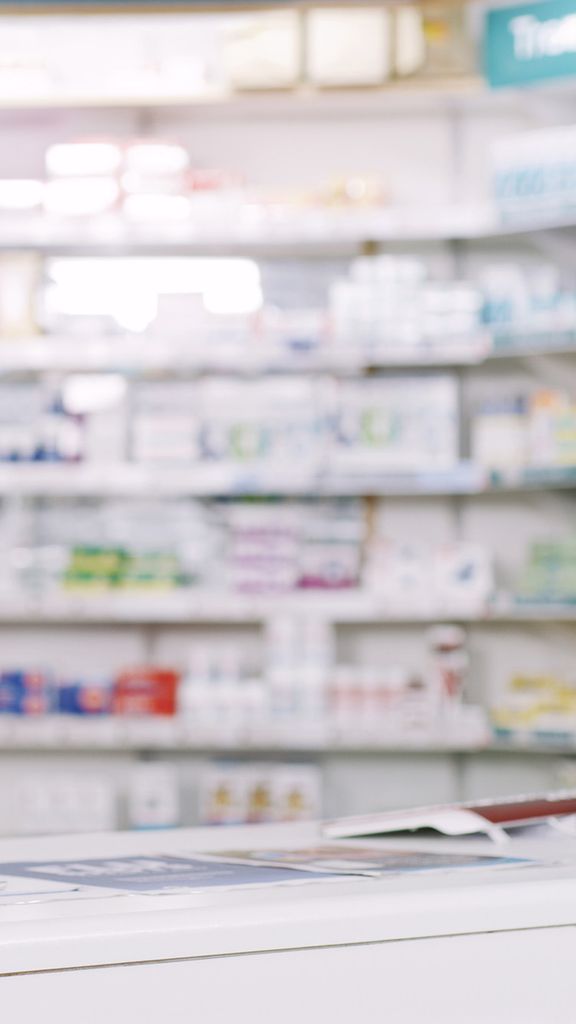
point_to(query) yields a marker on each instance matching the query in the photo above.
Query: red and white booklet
(491, 817)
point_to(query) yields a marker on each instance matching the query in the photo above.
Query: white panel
(429, 520)
(509, 775)
(364, 784)
(501, 978)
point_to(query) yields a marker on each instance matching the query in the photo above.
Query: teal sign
(57, 6)
(530, 43)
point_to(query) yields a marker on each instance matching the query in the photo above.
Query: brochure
(155, 874)
(362, 860)
(494, 818)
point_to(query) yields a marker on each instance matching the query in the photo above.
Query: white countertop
(53, 934)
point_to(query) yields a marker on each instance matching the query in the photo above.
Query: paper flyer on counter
(363, 860)
(156, 874)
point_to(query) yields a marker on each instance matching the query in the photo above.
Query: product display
(538, 709)
(397, 423)
(422, 578)
(258, 793)
(263, 51)
(153, 796)
(208, 55)
(533, 174)
(389, 303)
(384, 309)
(298, 690)
(134, 189)
(447, 39)
(143, 691)
(291, 546)
(348, 47)
(35, 427)
(150, 795)
(526, 300)
(80, 553)
(287, 410)
(385, 306)
(524, 431)
(549, 576)
(281, 421)
(144, 549)
(300, 426)
(88, 548)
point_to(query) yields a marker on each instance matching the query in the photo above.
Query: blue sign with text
(531, 43)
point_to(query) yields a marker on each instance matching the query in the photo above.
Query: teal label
(530, 43)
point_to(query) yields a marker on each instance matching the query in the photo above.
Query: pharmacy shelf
(126, 480)
(316, 233)
(561, 745)
(174, 357)
(178, 356)
(57, 479)
(537, 478)
(532, 613)
(464, 480)
(83, 735)
(529, 343)
(77, 733)
(175, 608)
(328, 237)
(304, 101)
(131, 479)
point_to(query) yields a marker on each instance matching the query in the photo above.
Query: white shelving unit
(53, 732)
(441, 207)
(311, 234)
(177, 358)
(198, 606)
(71, 733)
(467, 93)
(59, 480)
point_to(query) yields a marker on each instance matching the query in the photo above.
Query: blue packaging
(84, 698)
(24, 693)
